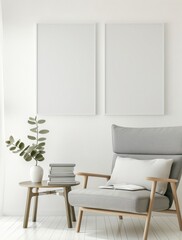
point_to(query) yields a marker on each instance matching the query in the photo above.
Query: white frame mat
(66, 69)
(134, 81)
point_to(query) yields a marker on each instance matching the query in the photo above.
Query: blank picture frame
(134, 62)
(66, 69)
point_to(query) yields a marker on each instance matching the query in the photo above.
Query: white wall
(83, 140)
(2, 165)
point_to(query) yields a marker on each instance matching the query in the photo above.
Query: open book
(129, 187)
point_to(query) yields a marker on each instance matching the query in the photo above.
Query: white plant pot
(36, 174)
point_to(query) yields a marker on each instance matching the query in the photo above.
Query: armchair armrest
(174, 192)
(93, 175)
(169, 180)
(86, 175)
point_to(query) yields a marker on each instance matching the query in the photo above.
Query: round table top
(44, 184)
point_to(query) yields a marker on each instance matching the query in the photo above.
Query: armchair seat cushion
(117, 200)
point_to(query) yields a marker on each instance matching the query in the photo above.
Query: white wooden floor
(93, 227)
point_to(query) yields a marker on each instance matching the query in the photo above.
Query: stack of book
(61, 173)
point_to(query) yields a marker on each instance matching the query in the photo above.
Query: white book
(66, 174)
(61, 169)
(60, 183)
(62, 164)
(128, 187)
(62, 179)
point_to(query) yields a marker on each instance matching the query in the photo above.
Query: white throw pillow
(134, 171)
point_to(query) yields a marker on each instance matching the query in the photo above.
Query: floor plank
(92, 228)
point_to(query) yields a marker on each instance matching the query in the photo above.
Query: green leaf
(17, 143)
(12, 148)
(30, 122)
(26, 148)
(21, 146)
(39, 157)
(31, 119)
(31, 137)
(17, 151)
(30, 149)
(41, 139)
(42, 152)
(34, 129)
(41, 144)
(8, 142)
(27, 157)
(33, 153)
(40, 147)
(41, 121)
(11, 139)
(44, 131)
(23, 152)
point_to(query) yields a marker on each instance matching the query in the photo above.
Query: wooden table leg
(73, 214)
(67, 206)
(35, 206)
(27, 208)
(73, 217)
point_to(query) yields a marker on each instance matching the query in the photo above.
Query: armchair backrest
(150, 143)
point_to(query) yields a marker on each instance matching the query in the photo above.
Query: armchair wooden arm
(93, 175)
(173, 188)
(169, 180)
(86, 175)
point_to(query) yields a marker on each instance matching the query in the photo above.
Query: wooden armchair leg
(149, 213)
(175, 197)
(146, 229)
(80, 214)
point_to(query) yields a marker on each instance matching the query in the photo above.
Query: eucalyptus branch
(32, 151)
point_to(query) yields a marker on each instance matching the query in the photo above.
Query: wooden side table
(70, 212)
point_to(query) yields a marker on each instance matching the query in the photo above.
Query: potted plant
(35, 150)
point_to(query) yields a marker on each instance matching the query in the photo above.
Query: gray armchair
(144, 144)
